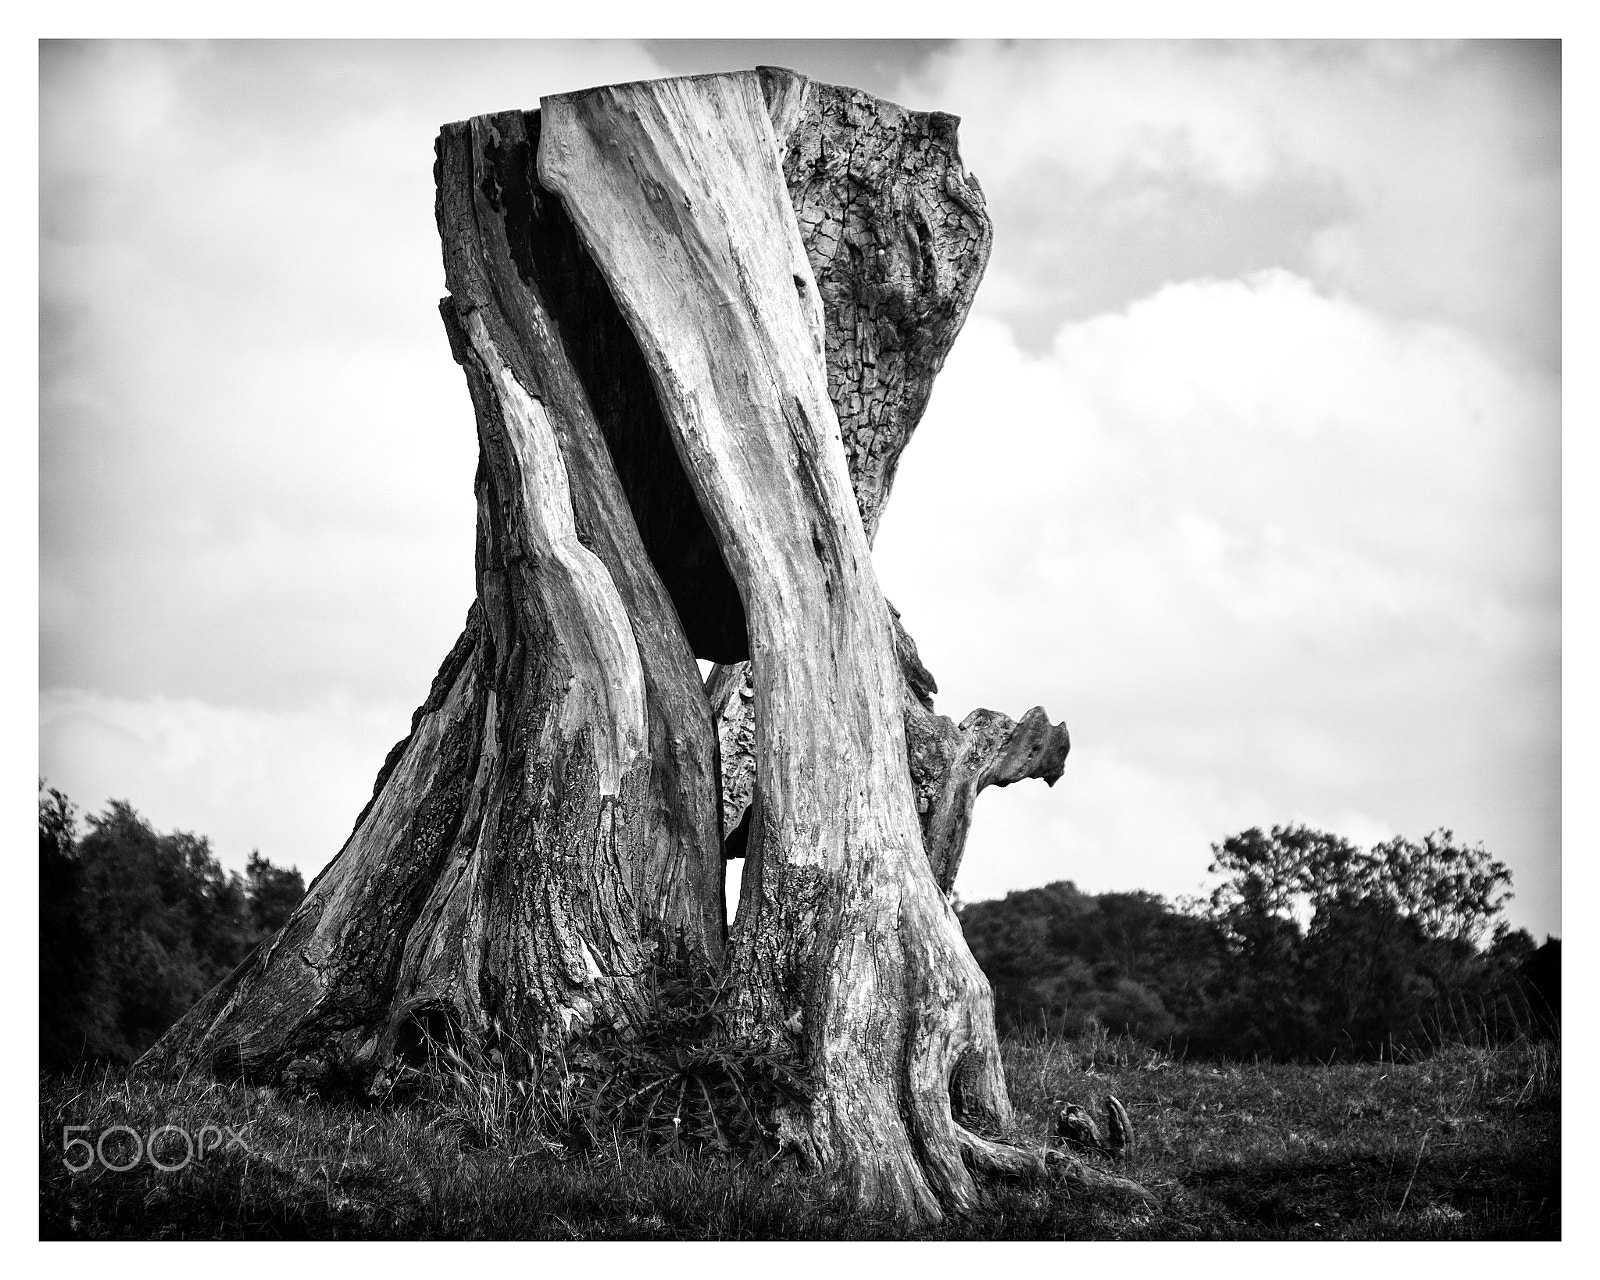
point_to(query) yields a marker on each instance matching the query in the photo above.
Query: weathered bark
(950, 764)
(699, 320)
(897, 236)
(552, 818)
(843, 935)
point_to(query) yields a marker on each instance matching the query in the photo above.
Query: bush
(135, 926)
(1310, 949)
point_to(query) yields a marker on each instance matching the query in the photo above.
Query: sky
(1246, 465)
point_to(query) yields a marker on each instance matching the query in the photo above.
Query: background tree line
(1310, 947)
(135, 926)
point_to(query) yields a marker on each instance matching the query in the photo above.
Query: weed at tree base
(680, 1080)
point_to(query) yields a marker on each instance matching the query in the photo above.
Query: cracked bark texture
(699, 320)
(897, 236)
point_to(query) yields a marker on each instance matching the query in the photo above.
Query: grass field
(1463, 1144)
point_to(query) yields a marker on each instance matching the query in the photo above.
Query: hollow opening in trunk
(424, 1033)
(551, 258)
(738, 840)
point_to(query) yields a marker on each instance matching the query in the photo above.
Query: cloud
(1271, 555)
(287, 782)
(257, 456)
(1422, 178)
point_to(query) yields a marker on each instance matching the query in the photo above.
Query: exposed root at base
(1003, 1159)
(1008, 1160)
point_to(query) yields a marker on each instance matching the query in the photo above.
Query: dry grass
(1462, 1144)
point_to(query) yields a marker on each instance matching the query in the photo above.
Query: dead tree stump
(699, 320)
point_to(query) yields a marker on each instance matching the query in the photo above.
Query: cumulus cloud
(1424, 178)
(1272, 556)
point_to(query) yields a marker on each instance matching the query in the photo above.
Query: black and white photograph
(878, 639)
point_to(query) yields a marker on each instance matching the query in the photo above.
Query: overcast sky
(1246, 464)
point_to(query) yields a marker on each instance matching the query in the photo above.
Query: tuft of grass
(1463, 1143)
(685, 1079)
(681, 1079)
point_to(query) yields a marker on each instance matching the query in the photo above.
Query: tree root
(1087, 1178)
(957, 1078)
(1032, 1164)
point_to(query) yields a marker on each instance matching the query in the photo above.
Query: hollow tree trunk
(843, 932)
(699, 320)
